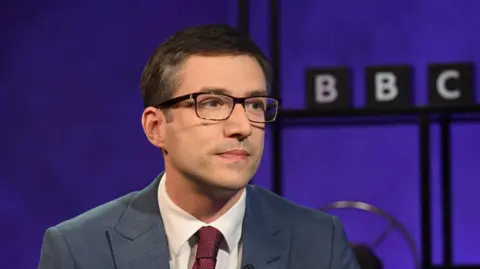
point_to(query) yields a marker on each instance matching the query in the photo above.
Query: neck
(205, 205)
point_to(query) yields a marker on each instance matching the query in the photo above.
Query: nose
(238, 125)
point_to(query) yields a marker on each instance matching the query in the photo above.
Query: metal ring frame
(423, 117)
(394, 223)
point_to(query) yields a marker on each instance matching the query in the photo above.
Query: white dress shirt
(180, 227)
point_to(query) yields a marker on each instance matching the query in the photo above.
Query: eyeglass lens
(219, 107)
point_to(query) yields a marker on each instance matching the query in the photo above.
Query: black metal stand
(423, 117)
(446, 175)
(277, 185)
(425, 193)
(243, 18)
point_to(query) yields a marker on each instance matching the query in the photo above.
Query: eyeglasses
(219, 107)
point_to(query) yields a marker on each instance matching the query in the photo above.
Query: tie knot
(209, 239)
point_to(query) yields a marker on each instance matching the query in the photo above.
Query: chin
(226, 177)
(232, 185)
(236, 186)
(230, 181)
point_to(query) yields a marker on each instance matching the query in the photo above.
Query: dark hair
(160, 76)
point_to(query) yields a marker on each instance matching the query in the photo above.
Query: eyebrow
(253, 93)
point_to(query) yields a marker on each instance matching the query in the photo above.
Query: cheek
(189, 141)
(258, 139)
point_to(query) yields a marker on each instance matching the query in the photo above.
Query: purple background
(70, 107)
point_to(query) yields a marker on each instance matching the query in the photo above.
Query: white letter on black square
(389, 86)
(451, 84)
(328, 88)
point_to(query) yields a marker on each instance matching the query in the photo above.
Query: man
(206, 107)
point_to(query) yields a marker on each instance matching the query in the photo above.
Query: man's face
(210, 152)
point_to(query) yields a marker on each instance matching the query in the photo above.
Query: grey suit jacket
(128, 233)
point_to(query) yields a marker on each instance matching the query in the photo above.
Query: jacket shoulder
(316, 237)
(298, 215)
(81, 239)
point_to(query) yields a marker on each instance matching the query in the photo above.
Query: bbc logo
(390, 86)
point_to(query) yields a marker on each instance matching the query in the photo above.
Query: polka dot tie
(209, 240)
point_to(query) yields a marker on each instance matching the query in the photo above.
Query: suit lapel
(139, 240)
(265, 240)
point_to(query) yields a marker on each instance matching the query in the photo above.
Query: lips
(235, 154)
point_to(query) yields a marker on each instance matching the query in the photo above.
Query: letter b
(328, 88)
(385, 86)
(388, 86)
(325, 91)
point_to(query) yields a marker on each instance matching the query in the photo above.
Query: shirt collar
(180, 226)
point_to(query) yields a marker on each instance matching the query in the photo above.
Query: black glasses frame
(236, 100)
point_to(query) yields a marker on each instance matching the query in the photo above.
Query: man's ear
(153, 123)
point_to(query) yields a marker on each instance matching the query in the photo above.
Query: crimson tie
(209, 240)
